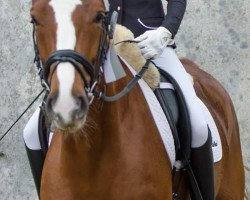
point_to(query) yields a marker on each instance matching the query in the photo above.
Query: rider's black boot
(203, 168)
(36, 160)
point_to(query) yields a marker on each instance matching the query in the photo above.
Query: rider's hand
(153, 42)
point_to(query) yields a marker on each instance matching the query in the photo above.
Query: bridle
(73, 57)
(78, 60)
(95, 70)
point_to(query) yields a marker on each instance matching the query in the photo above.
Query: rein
(131, 84)
(128, 87)
(36, 98)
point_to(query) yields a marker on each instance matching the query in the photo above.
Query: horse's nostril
(51, 102)
(82, 105)
(58, 118)
(81, 102)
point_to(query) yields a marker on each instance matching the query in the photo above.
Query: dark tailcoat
(142, 15)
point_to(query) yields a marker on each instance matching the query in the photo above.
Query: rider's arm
(175, 13)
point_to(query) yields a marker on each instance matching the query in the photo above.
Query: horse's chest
(106, 191)
(136, 170)
(108, 184)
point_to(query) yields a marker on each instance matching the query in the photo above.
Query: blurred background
(214, 34)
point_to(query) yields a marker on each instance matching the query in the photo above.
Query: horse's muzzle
(67, 118)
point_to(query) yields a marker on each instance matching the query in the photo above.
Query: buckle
(45, 85)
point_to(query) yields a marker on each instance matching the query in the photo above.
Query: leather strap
(128, 87)
(68, 56)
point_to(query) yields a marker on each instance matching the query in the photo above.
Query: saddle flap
(174, 106)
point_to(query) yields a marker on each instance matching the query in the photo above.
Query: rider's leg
(33, 148)
(201, 139)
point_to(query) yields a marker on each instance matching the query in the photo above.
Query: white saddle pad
(158, 115)
(163, 125)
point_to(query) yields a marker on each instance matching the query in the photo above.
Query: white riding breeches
(30, 132)
(169, 62)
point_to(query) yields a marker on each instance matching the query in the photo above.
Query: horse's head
(68, 36)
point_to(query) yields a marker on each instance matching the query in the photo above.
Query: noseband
(76, 59)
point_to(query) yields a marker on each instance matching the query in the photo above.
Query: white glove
(153, 42)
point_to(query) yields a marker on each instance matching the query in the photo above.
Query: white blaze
(66, 39)
(65, 102)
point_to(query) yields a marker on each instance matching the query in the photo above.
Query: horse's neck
(80, 150)
(120, 125)
(111, 129)
(111, 152)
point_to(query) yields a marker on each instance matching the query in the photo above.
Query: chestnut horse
(114, 152)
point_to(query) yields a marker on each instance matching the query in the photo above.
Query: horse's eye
(100, 17)
(34, 21)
